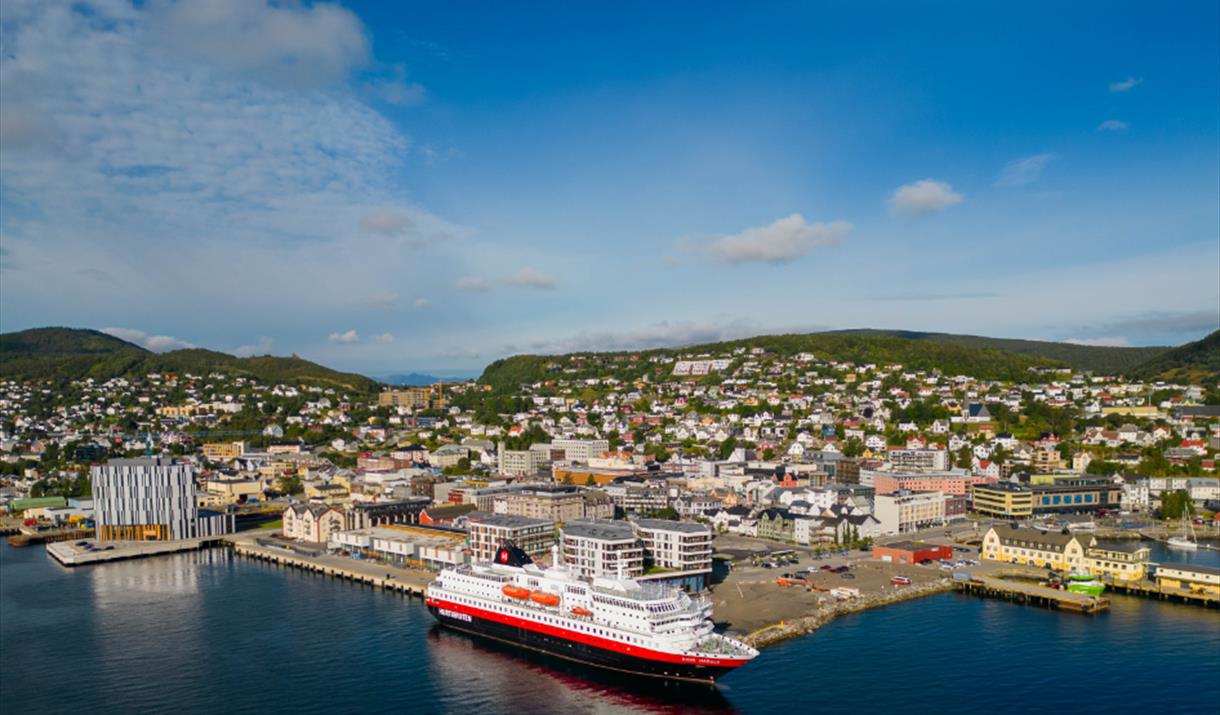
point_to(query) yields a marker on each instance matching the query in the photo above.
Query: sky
(398, 186)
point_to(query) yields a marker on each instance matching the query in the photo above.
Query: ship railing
(719, 645)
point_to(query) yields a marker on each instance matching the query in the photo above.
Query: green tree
(853, 447)
(1175, 504)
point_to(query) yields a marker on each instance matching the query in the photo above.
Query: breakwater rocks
(826, 613)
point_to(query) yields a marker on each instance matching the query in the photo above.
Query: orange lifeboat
(578, 611)
(543, 598)
(515, 591)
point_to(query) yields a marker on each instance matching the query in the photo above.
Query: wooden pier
(286, 558)
(1150, 589)
(1033, 594)
(29, 536)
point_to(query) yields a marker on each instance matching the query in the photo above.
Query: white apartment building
(902, 511)
(519, 462)
(683, 546)
(931, 460)
(486, 532)
(602, 548)
(581, 450)
(150, 499)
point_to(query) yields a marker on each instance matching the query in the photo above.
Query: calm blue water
(206, 631)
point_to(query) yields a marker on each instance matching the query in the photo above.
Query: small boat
(516, 592)
(901, 581)
(1084, 583)
(1182, 543)
(543, 598)
(578, 611)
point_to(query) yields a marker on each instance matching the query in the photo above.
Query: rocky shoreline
(824, 614)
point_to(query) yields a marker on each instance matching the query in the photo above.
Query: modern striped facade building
(150, 499)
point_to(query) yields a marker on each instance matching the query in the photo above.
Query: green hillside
(982, 362)
(1100, 359)
(981, 357)
(1193, 362)
(70, 353)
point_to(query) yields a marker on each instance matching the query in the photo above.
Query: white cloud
(422, 303)
(385, 223)
(346, 338)
(473, 283)
(262, 347)
(1112, 125)
(923, 197)
(384, 338)
(286, 44)
(1024, 171)
(155, 343)
(531, 278)
(781, 241)
(156, 166)
(1126, 84)
(1110, 342)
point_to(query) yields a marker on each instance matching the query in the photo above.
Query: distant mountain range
(418, 378)
(71, 353)
(983, 357)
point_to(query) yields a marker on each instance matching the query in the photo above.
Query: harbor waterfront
(210, 631)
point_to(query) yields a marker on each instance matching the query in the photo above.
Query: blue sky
(394, 186)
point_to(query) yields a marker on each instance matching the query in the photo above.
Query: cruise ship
(616, 623)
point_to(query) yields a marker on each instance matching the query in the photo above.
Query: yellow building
(416, 398)
(1132, 411)
(1031, 547)
(1003, 499)
(326, 493)
(224, 451)
(177, 410)
(230, 491)
(1046, 459)
(1065, 552)
(1125, 562)
(1050, 478)
(1199, 579)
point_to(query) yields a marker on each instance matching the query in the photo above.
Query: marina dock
(376, 575)
(1032, 594)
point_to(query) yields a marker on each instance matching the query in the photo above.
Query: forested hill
(982, 357)
(953, 359)
(1094, 358)
(71, 353)
(1193, 362)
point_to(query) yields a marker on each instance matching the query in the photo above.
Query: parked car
(847, 575)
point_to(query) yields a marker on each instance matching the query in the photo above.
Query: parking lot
(751, 596)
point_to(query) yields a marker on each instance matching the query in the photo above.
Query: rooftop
(506, 520)
(602, 530)
(685, 527)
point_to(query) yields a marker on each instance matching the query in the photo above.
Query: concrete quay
(389, 578)
(69, 553)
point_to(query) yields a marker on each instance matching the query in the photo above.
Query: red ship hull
(580, 647)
